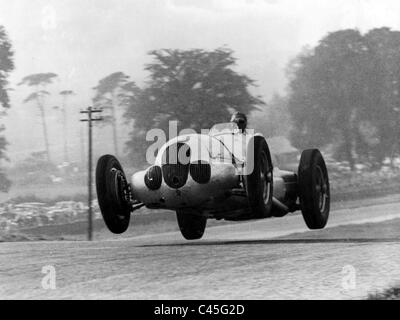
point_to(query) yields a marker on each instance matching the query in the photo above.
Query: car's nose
(220, 177)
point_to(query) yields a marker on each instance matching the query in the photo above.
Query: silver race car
(225, 174)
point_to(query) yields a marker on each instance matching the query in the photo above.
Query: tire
(192, 226)
(314, 194)
(259, 183)
(109, 185)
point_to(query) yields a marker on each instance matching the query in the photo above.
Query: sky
(85, 40)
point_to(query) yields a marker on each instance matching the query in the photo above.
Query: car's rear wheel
(314, 190)
(191, 225)
(259, 183)
(112, 194)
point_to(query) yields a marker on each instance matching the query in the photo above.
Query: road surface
(239, 261)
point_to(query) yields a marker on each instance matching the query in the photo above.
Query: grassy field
(389, 294)
(45, 192)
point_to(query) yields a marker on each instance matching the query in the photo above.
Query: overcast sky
(84, 40)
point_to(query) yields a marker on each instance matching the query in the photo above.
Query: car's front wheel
(112, 194)
(191, 225)
(259, 178)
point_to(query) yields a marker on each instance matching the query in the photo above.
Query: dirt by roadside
(388, 294)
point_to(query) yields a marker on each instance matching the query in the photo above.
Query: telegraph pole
(89, 120)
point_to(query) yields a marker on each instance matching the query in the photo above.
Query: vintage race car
(225, 174)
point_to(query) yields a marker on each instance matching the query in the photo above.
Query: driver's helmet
(240, 119)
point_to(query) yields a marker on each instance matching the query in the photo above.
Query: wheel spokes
(120, 186)
(265, 177)
(321, 188)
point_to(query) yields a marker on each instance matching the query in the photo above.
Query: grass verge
(388, 294)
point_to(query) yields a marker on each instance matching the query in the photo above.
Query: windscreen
(224, 128)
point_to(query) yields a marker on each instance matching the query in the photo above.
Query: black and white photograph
(207, 150)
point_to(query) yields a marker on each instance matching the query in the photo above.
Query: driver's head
(240, 119)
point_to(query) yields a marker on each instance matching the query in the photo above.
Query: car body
(224, 174)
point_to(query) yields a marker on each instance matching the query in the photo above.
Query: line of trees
(196, 88)
(345, 93)
(6, 66)
(113, 94)
(39, 83)
(66, 95)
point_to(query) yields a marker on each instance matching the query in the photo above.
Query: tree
(196, 88)
(112, 93)
(66, 94)
(273, 119)
(346, 92)
(326, 93)
(39, 82)
(383, 88)
(6, 66)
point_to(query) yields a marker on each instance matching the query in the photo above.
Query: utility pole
(89, 120)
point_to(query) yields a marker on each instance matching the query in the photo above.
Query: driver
(241, 120)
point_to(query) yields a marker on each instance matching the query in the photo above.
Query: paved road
(240, 261)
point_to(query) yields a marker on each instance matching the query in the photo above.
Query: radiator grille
(200, 172)
(175, 168)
